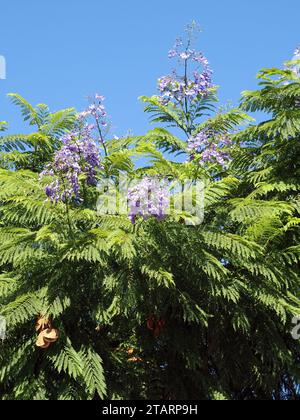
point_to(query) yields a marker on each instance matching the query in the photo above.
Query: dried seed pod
(51, 335)
(42, 323)
(41, 342)
(151, 323)
(135, 359)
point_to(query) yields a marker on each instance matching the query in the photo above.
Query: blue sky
(59, 52)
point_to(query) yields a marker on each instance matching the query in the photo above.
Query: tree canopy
(149, 304)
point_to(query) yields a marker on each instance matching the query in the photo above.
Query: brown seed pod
(41, 342)
(51, 335)
(42, 323)
(135, 359)
(151, 322)
(156, 325)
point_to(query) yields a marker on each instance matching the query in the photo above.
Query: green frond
(27, 110)
(225, 122)
(93, 374)
(23, 308)
(59, 122)
(68, 360)
(159, 275)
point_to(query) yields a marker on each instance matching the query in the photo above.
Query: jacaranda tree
(155, 303)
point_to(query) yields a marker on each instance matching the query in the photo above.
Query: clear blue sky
(60, 51)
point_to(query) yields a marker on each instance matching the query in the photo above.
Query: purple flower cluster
(197, 143)
(184, 54)
(148, 198)
(179, 88)
(211, 148)
(79, 155)
(96, 110)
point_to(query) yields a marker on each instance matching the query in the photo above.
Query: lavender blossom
(176, 88)
(210, 148)
(79, 155)
(198, 143)
(149, 198)
(96, 110)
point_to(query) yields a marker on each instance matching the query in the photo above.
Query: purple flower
(176, 88)
(149, 198)
(172, 53)
(185, 55)
(79, 155)
(211, 148)
(83, 115)
(198, 57)
(198, 143)
(96, 110)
